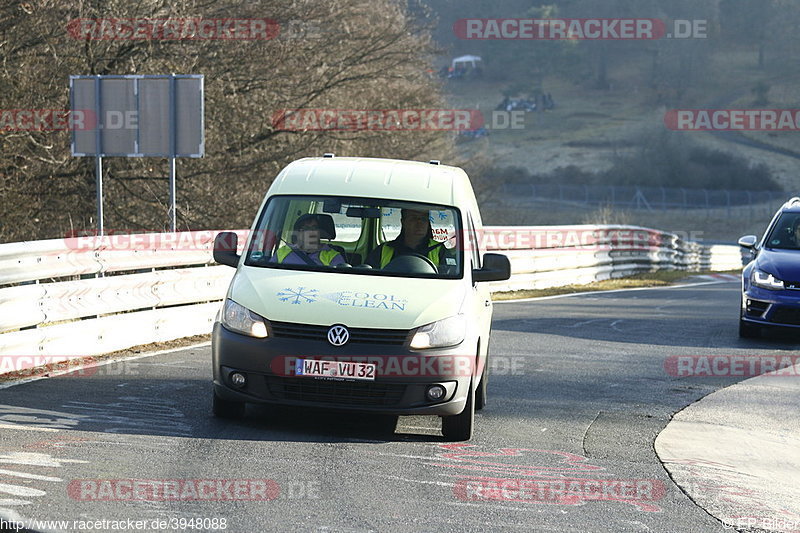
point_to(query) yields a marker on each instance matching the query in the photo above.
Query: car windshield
(785, 233)
(357, 235)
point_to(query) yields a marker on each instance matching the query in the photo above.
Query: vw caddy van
(344, 320)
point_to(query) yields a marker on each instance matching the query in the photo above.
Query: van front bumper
(399, 388)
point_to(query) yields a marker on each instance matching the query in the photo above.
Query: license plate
(320, 368)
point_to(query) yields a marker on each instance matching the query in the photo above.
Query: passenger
(306, 247)
(416, 237)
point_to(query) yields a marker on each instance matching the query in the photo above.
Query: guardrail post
(728, 197)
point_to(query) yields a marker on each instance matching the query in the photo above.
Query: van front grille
(332, 392)
(289, 330)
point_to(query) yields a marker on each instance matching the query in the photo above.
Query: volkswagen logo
(338, 335)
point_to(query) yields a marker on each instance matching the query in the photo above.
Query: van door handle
(487, 303)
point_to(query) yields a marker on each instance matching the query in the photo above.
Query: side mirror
(496, 267)
(748, 241)
(225, 244)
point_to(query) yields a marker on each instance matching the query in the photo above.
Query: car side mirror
(748, 241)
(225, 244)
(496, 267)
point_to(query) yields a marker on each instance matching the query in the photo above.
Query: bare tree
(341, 54)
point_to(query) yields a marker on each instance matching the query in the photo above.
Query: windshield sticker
(299, 295)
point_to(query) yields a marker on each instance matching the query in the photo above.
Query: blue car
(771, 281)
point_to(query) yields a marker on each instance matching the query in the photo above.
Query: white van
(361, 287)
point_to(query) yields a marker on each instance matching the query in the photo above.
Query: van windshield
(358, 236)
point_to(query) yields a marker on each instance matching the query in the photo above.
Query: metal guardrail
(574, 255)
(91, 295)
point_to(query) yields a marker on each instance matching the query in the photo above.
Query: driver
(416, 237)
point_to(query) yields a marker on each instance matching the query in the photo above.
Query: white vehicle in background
(328, 309)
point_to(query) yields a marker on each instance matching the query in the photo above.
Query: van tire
(227, 409)
(459, 427)
(482, 393)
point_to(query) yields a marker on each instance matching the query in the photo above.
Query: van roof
(375, 178)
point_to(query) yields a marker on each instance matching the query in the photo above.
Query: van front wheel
(227, 409)
(481, 395)
(459, 427)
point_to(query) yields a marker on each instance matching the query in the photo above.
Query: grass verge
(661, 278)
(82, 366)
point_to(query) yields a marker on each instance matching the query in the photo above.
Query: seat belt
(304, 256)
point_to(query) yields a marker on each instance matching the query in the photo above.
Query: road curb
(736, 454)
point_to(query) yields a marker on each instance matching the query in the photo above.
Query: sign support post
(172, 207)
(172, 149)
(98, 171)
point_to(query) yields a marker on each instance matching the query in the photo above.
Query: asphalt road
(578, 394)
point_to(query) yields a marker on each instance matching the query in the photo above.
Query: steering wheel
(412, 263)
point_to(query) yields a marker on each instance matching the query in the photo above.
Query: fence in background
(93, 295)
(731, 203)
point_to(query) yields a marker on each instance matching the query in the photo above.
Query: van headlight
(447, 332)
(242, 320)
(766, 280)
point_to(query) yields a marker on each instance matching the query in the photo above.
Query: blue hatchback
(771, 281)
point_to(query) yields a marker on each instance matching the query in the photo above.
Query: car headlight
(242, 320)
(447, 332)
(766, 280)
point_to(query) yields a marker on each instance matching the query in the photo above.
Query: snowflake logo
(298, 296)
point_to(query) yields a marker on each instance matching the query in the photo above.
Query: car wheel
(227, 409)
(747, 330)
(481, 394)
(459, 427)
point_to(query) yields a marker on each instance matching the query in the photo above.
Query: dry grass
(90, 361)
